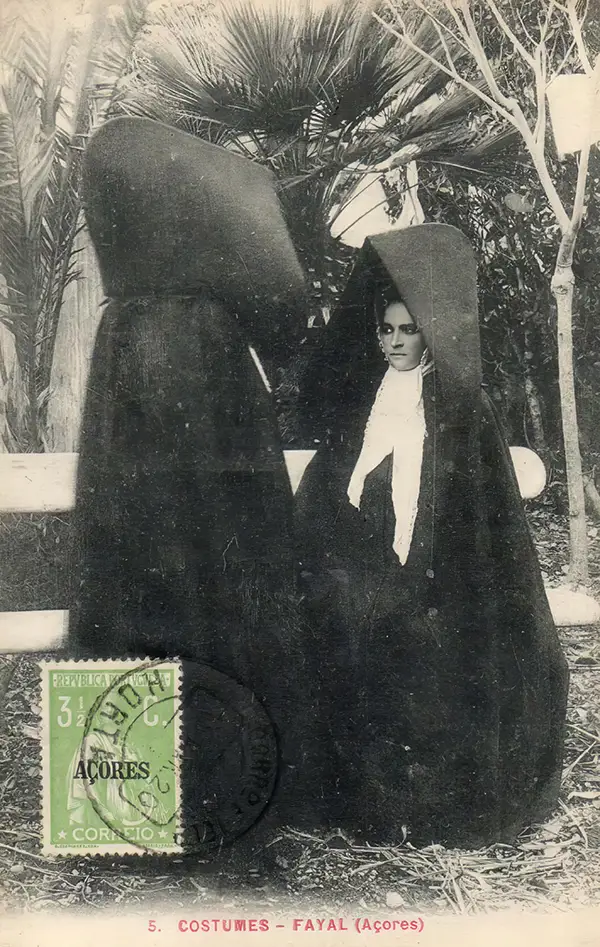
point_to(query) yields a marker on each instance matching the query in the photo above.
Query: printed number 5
(64, 709)
(152, 926)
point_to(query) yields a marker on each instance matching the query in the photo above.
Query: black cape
(183, 505)
(442, 683)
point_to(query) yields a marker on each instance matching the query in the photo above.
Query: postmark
(150, 756)
(229, 759)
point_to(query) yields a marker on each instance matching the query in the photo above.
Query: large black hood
(434, 270)
(170, 214)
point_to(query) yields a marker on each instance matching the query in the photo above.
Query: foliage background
(325, 98)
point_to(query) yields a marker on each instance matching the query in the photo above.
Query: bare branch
(536, 150)
(576, 25)
(509, 108)
(446, 49)
(517, 15)
(578, 204)
(440, 25)
(540, 70)
(544, 29)
(525, 55)
(459, 23)
(452, 73)
(480, 56)
(556, 72)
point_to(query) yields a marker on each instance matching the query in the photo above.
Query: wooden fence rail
(45, 483)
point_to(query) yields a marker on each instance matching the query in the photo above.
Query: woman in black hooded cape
(442, 691)
(184, 506)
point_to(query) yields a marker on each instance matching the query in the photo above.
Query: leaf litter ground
(553, 867)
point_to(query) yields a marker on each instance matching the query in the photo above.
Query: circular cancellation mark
(227, 758)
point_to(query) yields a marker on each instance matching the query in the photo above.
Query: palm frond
(56, 84)
(494, 155)
(21, 171)
(51, 80)
(114, 52)
(173, 64)
(437, 115)
(256, 42)
(111, 40)
(25, 29)
(120, 34)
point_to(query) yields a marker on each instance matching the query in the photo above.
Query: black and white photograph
(299, 472)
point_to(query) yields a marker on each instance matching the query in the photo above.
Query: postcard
(299, 599)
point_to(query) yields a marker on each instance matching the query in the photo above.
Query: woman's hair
(384, 292)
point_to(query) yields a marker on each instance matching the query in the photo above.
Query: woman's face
(401, 340)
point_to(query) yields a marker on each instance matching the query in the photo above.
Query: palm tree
(59, 72)
(325, 97)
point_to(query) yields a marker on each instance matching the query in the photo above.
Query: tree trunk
(562, 289)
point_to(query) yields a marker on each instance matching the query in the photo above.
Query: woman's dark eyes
(408, 329)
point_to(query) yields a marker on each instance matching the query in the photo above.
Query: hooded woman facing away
(442, 685)
(184, 507)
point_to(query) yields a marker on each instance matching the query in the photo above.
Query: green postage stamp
(110, 756)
